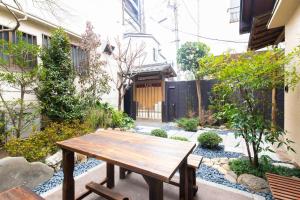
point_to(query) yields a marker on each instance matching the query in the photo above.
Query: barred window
(79, 59)
(234, 11)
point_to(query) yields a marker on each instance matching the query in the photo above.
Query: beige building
(286, 13)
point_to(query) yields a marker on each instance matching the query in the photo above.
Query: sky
(213, 22)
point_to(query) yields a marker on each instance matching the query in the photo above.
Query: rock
(296, 178)
(291, 166)
(80, 158)
(254, 183)
(55, 160)
(231, 177)
(222, 127)
(15, 171)
(117, 129)
(223, 160)
(226, 167)
(222, 170)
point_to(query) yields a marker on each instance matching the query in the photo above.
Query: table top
(148, 155)
(18, 193)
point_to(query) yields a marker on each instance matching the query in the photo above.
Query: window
(3, 36)
(132, 7)
(12, 37)
(46, 41)
(234, 11)
(79, 59)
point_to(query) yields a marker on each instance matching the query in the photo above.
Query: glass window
(132, 7)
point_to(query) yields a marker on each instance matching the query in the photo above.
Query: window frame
(137, 7)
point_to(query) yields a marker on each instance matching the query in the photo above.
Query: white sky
(214, 22)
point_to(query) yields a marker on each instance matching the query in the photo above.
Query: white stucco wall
(292, 98)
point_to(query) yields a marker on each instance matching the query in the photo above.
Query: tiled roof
(165, 68)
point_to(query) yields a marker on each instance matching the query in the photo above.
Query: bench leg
(155, 188)
(193, 184)
(185, 182)
(68, 182)
(110, 174)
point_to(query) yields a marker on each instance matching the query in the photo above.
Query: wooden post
(156, 191)
(184, 191)
(68, 168)
(110, 174)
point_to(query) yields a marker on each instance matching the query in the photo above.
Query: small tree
(56, 88)
(126, 59)
(188, 56)
(19, 70)
(241, 95)
(93, 79)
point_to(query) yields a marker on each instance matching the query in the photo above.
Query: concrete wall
(292, 98)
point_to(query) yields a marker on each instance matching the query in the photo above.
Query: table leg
(110, 174)
(155, 188)
(68, 168)
(184, 191)
(122, 173)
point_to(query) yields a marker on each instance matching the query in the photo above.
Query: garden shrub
(159, 133)
(242, 166)
(209, 139)
(121, 120)
(43, 143)
(188, 124)
(179, 138)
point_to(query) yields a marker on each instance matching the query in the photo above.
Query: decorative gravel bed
(216, 153)
(58, 176)
(210, 174)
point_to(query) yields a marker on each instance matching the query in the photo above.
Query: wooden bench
(283, 188)
(105, 192)
(19, 193)
(194, 162)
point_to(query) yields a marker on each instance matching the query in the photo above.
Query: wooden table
(156, 159)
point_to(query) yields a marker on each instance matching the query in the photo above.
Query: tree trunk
(21, 113)
(199, 96)
(274, 109)
(119, 100)
(255, 162)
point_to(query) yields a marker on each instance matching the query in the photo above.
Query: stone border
(230, 189)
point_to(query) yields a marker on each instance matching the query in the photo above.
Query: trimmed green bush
(188, 124)
(159, 133)
(209, 139)
(43, 143)
(242, 166)
(179, 138)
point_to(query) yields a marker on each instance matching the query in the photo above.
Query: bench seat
(105, 192)
(283, 188)
(18, 193)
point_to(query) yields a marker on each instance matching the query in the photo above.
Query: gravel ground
(216, 153)
(210, 174)
(58, 176)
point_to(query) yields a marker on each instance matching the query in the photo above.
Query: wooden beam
(280, 37)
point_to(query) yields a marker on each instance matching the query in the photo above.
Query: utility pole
(198, 19)
(176, 24)
(175, 11)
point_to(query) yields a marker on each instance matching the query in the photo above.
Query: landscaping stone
(254, 183)
(288, 165)
(231, 177)
(55, 160)
(80, 158)
(16, 171)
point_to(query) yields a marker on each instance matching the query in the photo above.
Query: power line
(203, 37)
